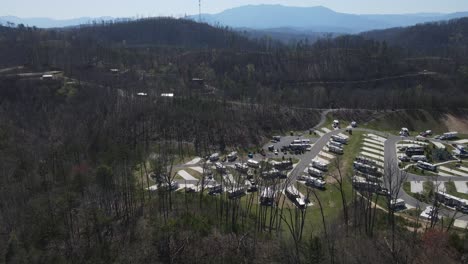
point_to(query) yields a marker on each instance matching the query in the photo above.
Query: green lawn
(415, 120)
(427, 194)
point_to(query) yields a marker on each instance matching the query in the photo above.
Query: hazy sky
(126, 8)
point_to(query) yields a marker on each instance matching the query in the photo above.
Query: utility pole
(199, 11)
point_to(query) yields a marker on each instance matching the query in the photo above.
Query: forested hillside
(83, 125)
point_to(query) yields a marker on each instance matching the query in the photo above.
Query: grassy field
(331, 197)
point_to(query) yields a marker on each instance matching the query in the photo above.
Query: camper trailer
(365, 168)
(315, 182)
(236, 193)
(232, 156)
(449, 135)
(427, 166)
(293, 195)
(339, 139)
(416, 158)
(315, 172)
(242, 167)
(415, 150)
(253, 163)
(319, 165)
(404, 132)
(267, 196)
(336, 150)
(214, 157)
(335, 144)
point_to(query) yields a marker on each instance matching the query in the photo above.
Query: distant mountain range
(316, 19)
(43, 22)
(277, 21)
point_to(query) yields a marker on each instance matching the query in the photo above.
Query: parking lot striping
(187, 176)
(455, 172)
(194, 161)
(326, 162)
(372, 155)
(319, 133)
(440, 186)
(326, 130)
(416, 142)
(378, 152)
(460, 223)
(462, 141)
(444, 174)
(326, 155)
(374, 141)
(375, 137)
(438, 145)
(370, 145)
(343, 135)
(461, 187)
(416, 186)
(197, 169)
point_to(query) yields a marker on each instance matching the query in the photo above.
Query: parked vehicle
(415, 150)
(232, 156)
(339, 139)
(417, 158)
(319, 165)
(336, 150)
(271, 148)
(220, 167)
(277, 138)
(404, 158)
(295, 197)
(267, 196)
(214, 157)
(253, 163)
(315, 182)
(335, 143)
(217, 189)
(242, 167)
(353, 124)
(427, 166)
(404, 132)
(315, 172)
(397, 204)
(236, 193)
(449, 135)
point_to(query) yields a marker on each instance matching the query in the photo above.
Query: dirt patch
(458, 124)
(331, 180)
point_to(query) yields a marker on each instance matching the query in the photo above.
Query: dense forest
(74, 148)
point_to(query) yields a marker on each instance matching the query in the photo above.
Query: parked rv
(427, 166)
(397, 204)
(315, 172)
(404, 132)
(319, 165)
(253, 163)
(214, 157)
(449, 135)
(232, 156)
(220, 167)
(416, 158)
(339, 139)
(410, 151)
(242, 167)
(267, 196)
(315, 182)
(236, 193)
(335, 150)
(217, 189)
(335, 143)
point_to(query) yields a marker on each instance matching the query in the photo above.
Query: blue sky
(124, 8)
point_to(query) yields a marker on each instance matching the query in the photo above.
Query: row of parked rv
(216, 156)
